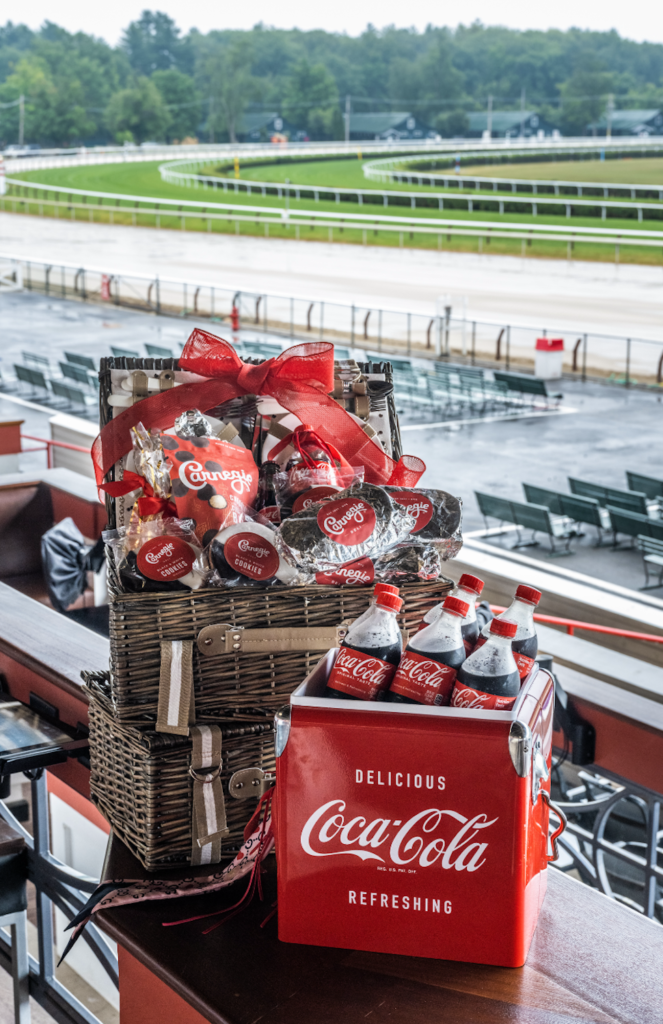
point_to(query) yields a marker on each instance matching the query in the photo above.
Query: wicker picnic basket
(140, 777)
(141, 783)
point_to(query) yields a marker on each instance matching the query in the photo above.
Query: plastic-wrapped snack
(438, 517)
(246, 554)
(362, 520)
(191, 424)
(409, 562)
(319, 489)
(151, 464)
(213, 482)
(156, 554)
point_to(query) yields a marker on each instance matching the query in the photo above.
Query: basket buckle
(250, 782)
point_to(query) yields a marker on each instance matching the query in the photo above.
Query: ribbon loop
(251, 378)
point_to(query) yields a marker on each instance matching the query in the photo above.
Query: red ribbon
(148, 505)
(299, 379)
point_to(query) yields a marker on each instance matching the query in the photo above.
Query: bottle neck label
(523, 663)
(467, 697)
(423, 680)
(361, 675)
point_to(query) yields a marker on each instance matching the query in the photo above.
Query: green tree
(138, 113)
(153, 43)
(55, 112)
(183, 101)
(584, 98)
(230, 84)
(311, 101)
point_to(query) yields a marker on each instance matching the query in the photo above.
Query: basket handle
(224, 638)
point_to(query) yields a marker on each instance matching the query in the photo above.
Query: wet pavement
(606, 431)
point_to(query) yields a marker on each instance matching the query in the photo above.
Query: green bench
(652, 555)
(35, 378)
(124, 353)
(79, 374)
(649, 485)
(74, 357)
(158, 352)
(536, 518)
(631, 501)
(73, 396)
(634, 524)
(526, 385)
(577, 508)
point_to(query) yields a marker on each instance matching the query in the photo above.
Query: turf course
(626, 170)
(143, 179)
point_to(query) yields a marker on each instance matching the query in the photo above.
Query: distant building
(629, 122)
(262, 127)
(394, 125)
(509, 124)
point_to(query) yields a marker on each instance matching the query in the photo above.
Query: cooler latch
(250, 782)
(520, 747)
(540, 773)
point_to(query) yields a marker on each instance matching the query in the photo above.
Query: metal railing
(419, 200)
(571, 625)
(426, 334)
(47, 445)
(57, 886)
(335, 226)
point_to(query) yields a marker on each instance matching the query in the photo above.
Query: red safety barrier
(591, 627)
(47, 445)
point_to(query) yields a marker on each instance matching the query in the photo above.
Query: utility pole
(522, 113)
(609, 113)
(21, 119)
(347, 117)
(490, 118)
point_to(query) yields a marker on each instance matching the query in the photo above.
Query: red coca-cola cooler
(413, 829)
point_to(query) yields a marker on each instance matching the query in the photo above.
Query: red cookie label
(466, 697)
(423, 680)
(418, 505)
(360, 675)
(360, 571)
(165, 558)
(315, 494)
(348, 521)
(252, 555)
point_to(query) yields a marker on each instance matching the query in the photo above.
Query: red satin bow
(299, 379)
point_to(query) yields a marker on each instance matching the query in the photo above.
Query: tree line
(160, 85)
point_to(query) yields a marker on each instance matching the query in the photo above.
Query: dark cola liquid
(529, 646)
(453, 658)
(391, 654)
(470, 632)
(506, 685)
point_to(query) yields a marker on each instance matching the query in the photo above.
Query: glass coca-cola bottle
(427, 669)
(369, 654)
(489, 678)
(266, 501)
(468, 589)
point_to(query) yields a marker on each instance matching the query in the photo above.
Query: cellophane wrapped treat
(361, 521)
(437, 515)
(247, 554)
(213, 482)
(156, 554)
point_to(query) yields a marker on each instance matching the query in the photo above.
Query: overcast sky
(638, 20)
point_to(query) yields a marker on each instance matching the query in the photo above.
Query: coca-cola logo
(347, 521)
(165, 559)
(433, 836)
(312, 496)
(360, 571)
(418, 505)
(251, 555)
(468, 697)
(422, 679)
(194, 476)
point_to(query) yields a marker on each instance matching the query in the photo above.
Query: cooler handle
(563, 822)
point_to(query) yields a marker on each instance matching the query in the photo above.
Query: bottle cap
(390, 601)
(456, 606)
(530, 594)
(468, 582)
(502, 627)
(385, 588)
